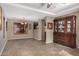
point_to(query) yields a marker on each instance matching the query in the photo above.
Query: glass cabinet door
(61, 26)
(55, 26)
(74, 25)
(71, 25)
(68, 26)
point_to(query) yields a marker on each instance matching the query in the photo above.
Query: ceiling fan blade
(48, 5)
(42, 4)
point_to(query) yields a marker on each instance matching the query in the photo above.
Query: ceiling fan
(48, 5)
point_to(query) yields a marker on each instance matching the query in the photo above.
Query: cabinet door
(74, 24)
(61, 24)
(55, 26)
(69, 24)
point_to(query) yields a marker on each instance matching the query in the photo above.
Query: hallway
(31, 47)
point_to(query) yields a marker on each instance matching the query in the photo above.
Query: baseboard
(37, 39)
(77, 47)
(49, 42)
(20, 38)
(3, 48)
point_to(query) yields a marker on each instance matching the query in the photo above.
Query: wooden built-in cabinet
(65, 31)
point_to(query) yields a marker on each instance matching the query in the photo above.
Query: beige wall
(1, 34)
(77, 29)
(2, 39)
(49, 33)
(10, 33)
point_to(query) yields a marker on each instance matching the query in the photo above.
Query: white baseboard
(49, 42)
(19, 38)
(38, 39)
(77, 47)
(3, 48)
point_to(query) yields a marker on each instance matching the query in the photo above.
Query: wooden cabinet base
(65, 39)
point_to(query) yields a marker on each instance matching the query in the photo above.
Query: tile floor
(31, 47)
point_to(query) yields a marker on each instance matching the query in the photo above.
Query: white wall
(35, 34)
(39, 30)
(11, 34)
(49, 32)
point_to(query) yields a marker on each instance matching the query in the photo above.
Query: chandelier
(48, 5)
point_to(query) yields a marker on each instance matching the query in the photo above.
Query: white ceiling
(37, 11)
(58, 7)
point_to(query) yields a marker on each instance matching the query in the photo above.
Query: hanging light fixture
(49, 4)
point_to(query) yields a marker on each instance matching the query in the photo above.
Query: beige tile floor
(31, 47)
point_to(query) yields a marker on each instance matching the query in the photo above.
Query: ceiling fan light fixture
(51, 4)
(48, 5)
